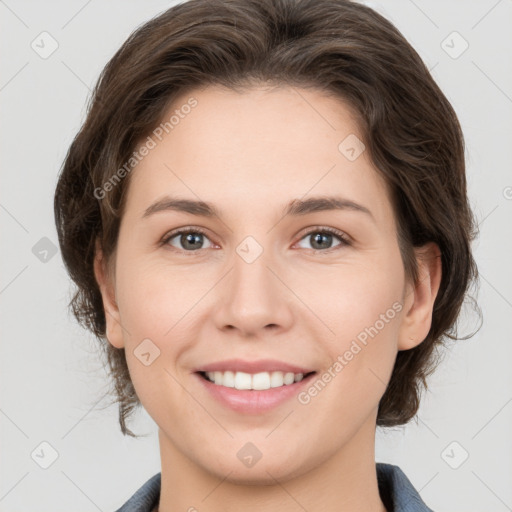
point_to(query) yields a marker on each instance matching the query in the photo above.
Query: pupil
(319, 236)
(190, 238)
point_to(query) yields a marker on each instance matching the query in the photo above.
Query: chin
(256, 477)
(262, 473)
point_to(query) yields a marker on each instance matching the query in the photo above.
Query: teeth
(256, 381)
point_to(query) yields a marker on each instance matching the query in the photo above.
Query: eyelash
(345, 241)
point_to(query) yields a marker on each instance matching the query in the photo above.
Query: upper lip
(262, 365)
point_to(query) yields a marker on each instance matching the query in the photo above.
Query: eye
(322, 238)
(191, 240)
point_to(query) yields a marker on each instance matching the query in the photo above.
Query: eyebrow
(296, 207)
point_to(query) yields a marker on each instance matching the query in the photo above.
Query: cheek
(153, 298)
(363, 307)
(356, 297)
(156, 307)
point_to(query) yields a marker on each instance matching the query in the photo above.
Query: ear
(420, 296)
(105, 282)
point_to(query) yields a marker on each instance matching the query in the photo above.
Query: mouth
(253, 381)
(252, 394)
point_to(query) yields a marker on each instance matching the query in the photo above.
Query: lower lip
(250, 401)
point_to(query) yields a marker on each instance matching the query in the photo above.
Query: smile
(257, 381)
(252, 393)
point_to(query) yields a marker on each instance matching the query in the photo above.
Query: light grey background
(51, 378)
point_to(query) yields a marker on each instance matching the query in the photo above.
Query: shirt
(396, 492)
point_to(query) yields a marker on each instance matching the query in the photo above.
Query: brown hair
(339, 47)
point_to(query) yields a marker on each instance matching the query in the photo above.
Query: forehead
(259, 144)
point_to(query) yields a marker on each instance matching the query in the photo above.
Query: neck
(346, 481)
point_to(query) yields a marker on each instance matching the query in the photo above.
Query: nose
(253, 298)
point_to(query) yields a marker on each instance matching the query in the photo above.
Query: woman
(265, 214)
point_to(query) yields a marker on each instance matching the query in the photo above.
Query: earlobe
(114, 332)
(421, 297)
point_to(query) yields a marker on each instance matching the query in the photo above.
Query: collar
(396, 491)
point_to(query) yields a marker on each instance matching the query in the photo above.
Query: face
(275, 274)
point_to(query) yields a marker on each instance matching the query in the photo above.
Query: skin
(250, 154)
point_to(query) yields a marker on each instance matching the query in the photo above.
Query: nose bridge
(252, 281)
(253, 297)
